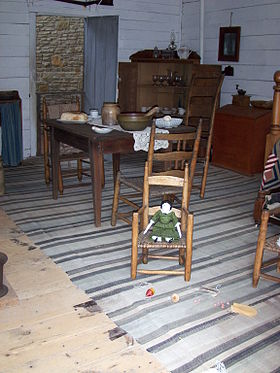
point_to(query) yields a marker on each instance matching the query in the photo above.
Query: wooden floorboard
(49, 325)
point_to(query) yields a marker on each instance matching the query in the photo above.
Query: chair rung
(269, 277)
(196, 186)
(80, 184)
(270, 262)
(122, 217)
(85, 174)
(163, 257)
(128, 202)
(127, 213)
(159, 272)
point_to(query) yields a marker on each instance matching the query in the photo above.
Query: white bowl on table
(168, 122)
(101, 130)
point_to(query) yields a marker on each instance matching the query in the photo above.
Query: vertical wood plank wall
(259, 44)
(142, 25)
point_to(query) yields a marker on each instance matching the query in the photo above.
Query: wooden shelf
(136, 88)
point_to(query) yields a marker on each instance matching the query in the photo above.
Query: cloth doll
(166, 225)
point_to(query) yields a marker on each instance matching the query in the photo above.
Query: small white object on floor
(278, 242)
(219, 368)
(175, 298)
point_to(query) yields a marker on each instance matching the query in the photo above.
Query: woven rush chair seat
(144, 242)
(269, 244)
(69, 150)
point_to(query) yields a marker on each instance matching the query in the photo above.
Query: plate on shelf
(173, 122)
(72, 121)
(101, 130)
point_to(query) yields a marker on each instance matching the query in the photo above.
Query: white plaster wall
(142, 25)
(259, 55)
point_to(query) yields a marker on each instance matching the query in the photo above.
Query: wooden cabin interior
(67, 300)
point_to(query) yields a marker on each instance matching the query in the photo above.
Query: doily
(142, 140)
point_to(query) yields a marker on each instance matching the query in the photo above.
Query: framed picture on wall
(229, 42)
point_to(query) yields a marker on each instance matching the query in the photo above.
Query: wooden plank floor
(48, 325)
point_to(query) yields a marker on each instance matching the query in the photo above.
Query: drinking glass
(161, 79)
(155, 79)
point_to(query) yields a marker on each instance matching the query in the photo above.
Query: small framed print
(229, 42)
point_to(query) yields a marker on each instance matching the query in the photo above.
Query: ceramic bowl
(134, 121)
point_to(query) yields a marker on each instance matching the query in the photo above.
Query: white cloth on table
(141, 138)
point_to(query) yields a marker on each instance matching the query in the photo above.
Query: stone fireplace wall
(59, 54)
(59, 63)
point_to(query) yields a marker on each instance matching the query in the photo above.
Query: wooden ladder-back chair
(143, 242)
(269, 244)
(272, 138)
(202, 102)
(182, 147)
(67, 153)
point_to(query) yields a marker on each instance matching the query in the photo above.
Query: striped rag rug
(199, 330)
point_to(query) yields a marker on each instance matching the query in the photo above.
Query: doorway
(75, 56)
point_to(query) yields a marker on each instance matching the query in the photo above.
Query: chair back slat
(201, 104)
(166, 181)
(154, 209)
(172, 172)
(55, 111)
(173, 156)
(175, 136)
(183, 148)
(203, 97)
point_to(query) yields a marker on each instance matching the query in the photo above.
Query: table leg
(55, 163)
(96, 155)
(116, 165)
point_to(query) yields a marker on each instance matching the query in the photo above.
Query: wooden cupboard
(137, 88)
(239, 138)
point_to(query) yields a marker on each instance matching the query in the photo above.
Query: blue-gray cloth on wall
(11, 133)
(101, 61)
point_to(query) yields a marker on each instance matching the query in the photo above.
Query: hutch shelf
(137, 88)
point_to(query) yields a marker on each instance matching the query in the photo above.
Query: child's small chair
(146, 244)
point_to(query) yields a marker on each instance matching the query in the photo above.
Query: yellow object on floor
(243, 309)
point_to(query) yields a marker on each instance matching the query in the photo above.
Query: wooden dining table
(81, 136)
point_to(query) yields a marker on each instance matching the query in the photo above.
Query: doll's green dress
(164, 225)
